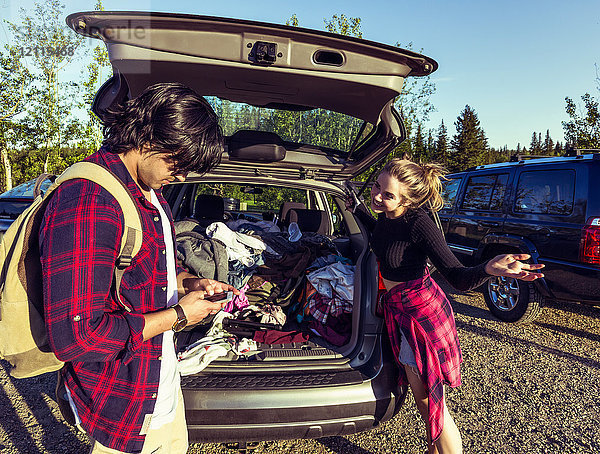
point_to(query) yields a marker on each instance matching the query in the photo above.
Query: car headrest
(309, 220)
(287, 206)
(209, 208)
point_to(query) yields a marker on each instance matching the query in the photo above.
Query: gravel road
(526, 389)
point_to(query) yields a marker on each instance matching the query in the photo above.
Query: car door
(545, 211)
(479, 211)
(450, 192)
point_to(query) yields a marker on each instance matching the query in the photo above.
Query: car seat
(309, 220)
(209, 208)
(285, 208)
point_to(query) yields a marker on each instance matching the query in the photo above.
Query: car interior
(284, 212)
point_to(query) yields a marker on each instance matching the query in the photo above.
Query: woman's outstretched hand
(510, 265)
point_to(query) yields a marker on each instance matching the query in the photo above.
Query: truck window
(485, 192)
(545, 192)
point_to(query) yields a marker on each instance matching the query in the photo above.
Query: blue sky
(512, 61)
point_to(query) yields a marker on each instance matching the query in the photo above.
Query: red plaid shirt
(112, 374)
(422, 312)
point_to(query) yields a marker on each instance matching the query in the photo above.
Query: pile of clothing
(291, 278)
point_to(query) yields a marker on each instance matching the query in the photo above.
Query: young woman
(417, 313)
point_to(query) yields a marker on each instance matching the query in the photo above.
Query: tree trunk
(46, 160)
(7, 167)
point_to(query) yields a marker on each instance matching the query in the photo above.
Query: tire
(512, 300)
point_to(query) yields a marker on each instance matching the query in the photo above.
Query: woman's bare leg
(449, 441)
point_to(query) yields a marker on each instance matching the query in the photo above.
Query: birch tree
(15, 80)
(47, 47)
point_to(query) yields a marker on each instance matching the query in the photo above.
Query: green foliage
(50, 101)
(583, 129)
(343, 25)
(469, 146)
(419, 147)
(256, 198)
(14, 79)
(440, 154)
(40, 130)
(318, 127)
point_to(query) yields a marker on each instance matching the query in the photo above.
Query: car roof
(309, 69)
(25, 191)
(519, 162)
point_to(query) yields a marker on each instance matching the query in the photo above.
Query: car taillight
(589, 249)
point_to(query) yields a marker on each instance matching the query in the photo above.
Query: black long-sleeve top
(402, 246)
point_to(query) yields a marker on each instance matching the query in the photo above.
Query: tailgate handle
(263, 53)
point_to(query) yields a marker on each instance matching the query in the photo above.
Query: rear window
(253, 198)
(545, 192)
(317, 127)
(449, 192)
(485, 192)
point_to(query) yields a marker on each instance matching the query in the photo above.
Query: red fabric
(274, 337)
(112, 374)
(421, 311)
(381, 290)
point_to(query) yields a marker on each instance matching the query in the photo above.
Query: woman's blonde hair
(423, 182)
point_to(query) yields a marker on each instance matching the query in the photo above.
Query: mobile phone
(222, 297)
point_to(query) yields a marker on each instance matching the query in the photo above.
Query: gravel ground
(526, 389)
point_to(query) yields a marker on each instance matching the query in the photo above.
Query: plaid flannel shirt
(112, 373)
(422, 312)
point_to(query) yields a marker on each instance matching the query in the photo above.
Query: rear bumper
(255, 413)
(572, 281)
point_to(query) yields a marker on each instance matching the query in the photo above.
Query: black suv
(546, 207)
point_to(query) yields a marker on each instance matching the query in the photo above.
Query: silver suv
(304, 112)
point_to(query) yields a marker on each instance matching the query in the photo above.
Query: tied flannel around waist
(421, 311)
(413, 295)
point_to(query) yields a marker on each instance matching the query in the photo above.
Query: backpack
(23, 337)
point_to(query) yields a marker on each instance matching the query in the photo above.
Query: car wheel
(512, 300)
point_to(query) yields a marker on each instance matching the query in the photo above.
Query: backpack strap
(131, 241)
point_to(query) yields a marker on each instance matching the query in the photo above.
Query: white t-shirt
(170, 380)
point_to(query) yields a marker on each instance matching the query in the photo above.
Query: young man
(120, 371)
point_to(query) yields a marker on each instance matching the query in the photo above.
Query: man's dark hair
(170, 118)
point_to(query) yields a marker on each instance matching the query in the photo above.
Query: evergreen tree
(441, 145)
(419, 147)
(430, 145)
(548, 145)
(535, 146)
(559, 149)
(469, 146)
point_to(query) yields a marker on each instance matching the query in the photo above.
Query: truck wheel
(512, 300)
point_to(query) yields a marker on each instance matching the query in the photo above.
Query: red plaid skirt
(421, 311)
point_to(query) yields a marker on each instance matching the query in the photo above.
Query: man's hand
(207, 286)
(509, 265)
(196, 308)
(187, 282)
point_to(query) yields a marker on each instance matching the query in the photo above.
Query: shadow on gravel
(471, 311)
(553, 351)
(10, 423)
(458, 307)
(571, 331)
(587, 310)
(24, 411)
(341, 446)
